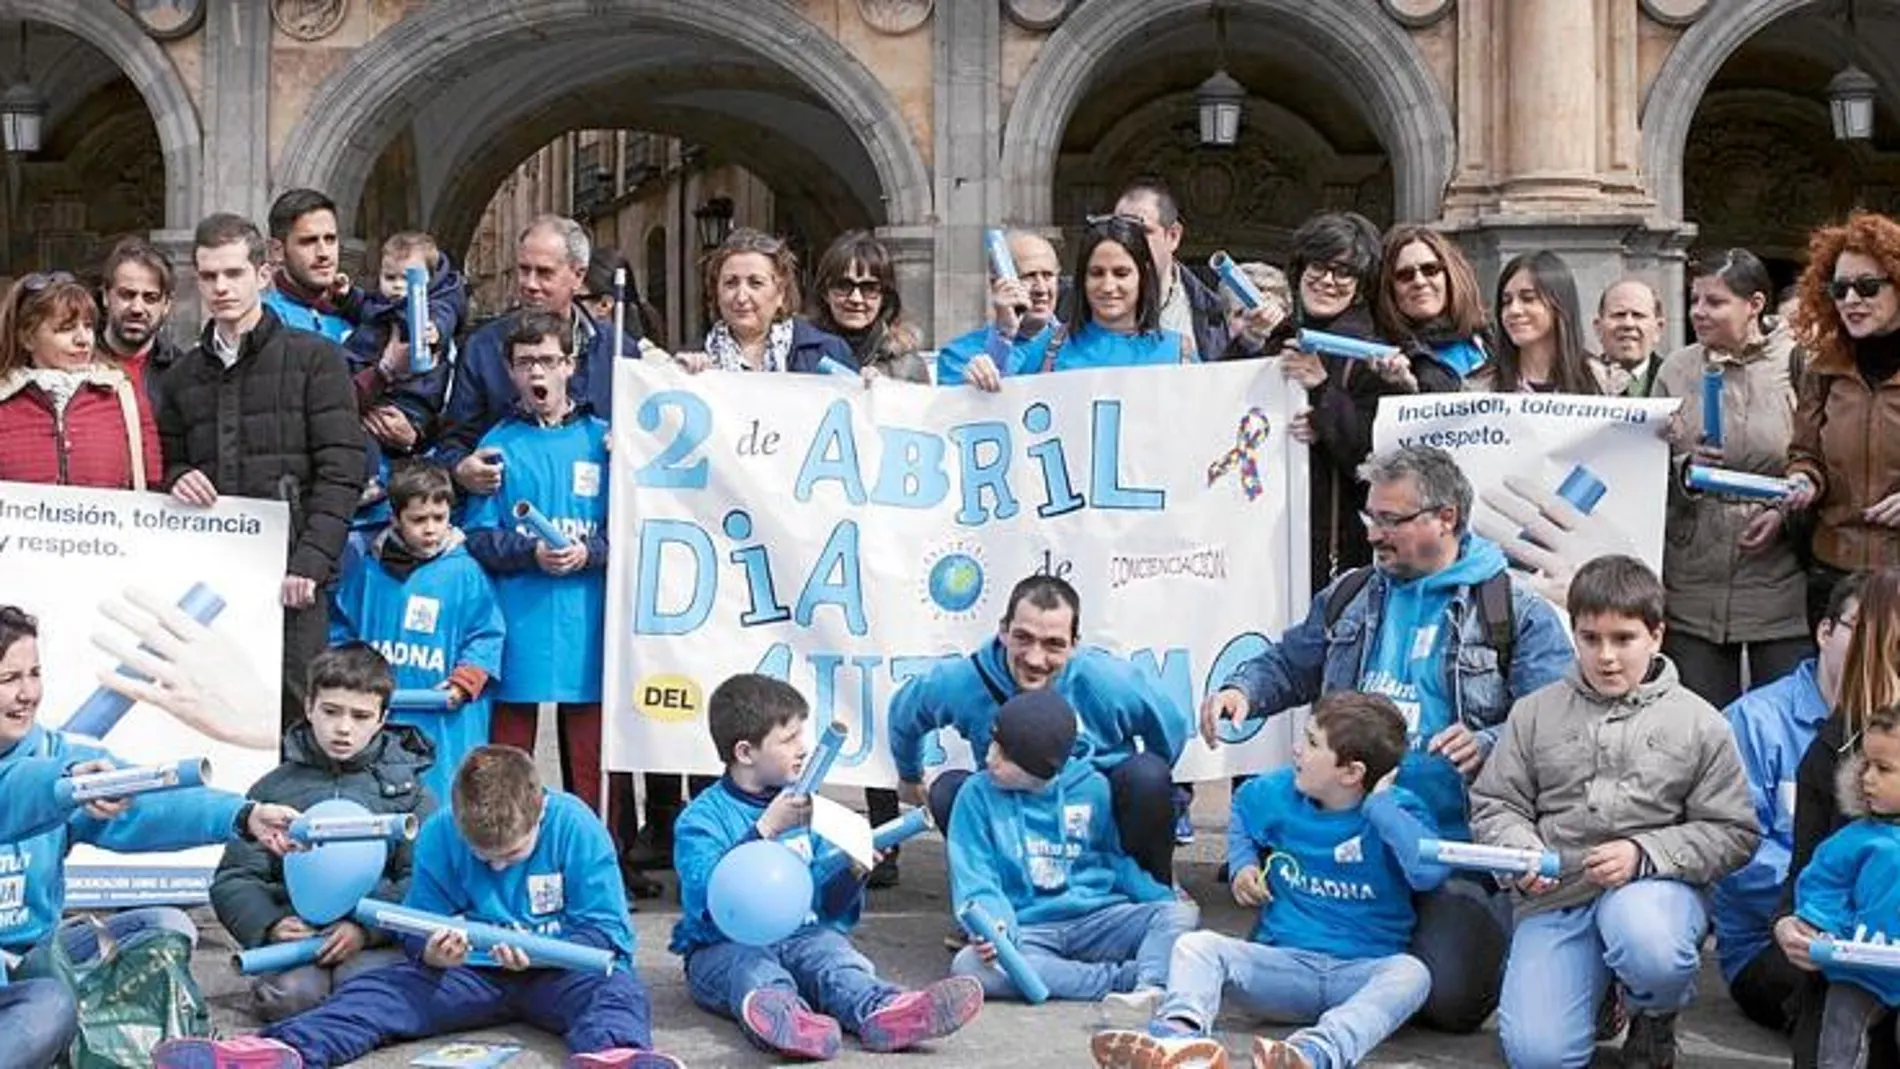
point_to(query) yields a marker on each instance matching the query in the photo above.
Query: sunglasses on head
(36, 282)
(1868, 287)
(1405, 275)
(1113, 218)
(845, 287)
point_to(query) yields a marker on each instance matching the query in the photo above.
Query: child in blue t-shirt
(758, 727)
(420, 598)
(1340, 849)
(553, 454)
(1033, 842)
(507, 853)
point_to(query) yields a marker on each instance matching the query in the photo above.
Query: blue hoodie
(32, 866)
(955, 356)
(1043, 857)
(1773, 727)
(1342, 880)
(556, 623)
(567, 888)
(716, 821)
(1850, 889)
(297, 315)
(482, 393)
(1115, 702)
(427, 618)
(1092, 346)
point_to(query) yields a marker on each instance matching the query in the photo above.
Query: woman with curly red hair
(1845, 457)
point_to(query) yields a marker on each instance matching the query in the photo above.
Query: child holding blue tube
(554, 450)
(1328, 851)
(798, 995)
(418, 595)
(345, 748)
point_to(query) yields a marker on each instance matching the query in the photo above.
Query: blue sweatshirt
(1773, 727)
(1850, 889)
(1342, 880)
(1462, 355)
(1043, 857)
(32, 866)
(427, 618)
(1115, 704)
(954, 357)
(568, 887)
(299, 316)
(716, 821)
(556, 624)
(1093, 346)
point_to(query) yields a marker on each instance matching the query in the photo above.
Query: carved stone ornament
(308, 20)
(166, 20)
(1675, 12)
(1038, 15)
(895, 16)
(1417, 13)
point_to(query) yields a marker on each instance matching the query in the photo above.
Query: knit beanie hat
(1036, 730)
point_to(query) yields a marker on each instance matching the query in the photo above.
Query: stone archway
(115, 33)
(363, 104)
(1402, 99)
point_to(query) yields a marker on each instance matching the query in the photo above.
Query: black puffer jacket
(279, 424)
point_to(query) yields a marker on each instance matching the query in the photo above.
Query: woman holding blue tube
(1736, 587)
(858, 301)
(1428, 294)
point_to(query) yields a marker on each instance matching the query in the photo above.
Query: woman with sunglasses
(1845, 460)
(1540, 340)
(68, 416)
(858, 301)
(1429, 295)
(751, 283)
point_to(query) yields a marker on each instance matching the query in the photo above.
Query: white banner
(76, 559)
(1560, 479)
(845, 538)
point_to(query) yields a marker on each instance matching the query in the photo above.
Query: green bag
(131, 1000)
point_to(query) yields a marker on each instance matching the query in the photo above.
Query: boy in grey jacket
(1636, 783)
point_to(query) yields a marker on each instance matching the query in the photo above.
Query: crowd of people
(1704, 746)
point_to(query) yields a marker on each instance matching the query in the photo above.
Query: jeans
(1141, 789)
(287, 994)
(39, 1020)
(1351, 1004)
(1766, 988)
(1851, 1014)
(1646, 934)
(820, 964)
(1462, 937)
(1714, 670)
(1116, 948)
(79, 939)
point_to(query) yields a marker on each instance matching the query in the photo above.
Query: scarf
(59, 384)
(728, 356)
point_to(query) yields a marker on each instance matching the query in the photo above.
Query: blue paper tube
(1738, 483)
(99, 713)
(375, 827)
(279, 957)
(543, 528)
(831, 367)
(979, 923)
(883, 837)
(812, 776)
(1884, 956)
(1500, 859)
(1582, 488)
(542, 951)
(416, 293)
(1002, 264)
(1236, 281)
(126, 782)
(1328, 344)
(421, 699)
(1712, 405)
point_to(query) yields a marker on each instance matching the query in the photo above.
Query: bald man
(1629, 324)
(1022, 311)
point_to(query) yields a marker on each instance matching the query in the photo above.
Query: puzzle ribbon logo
(1248, 438)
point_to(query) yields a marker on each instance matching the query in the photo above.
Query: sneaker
(956, 939)
(778, 1020)
(1612, 1016)
(1651, 1043)
(1128, 1049)
(884, 876)
(624, 1058)
(1278, 1054)
(241, 1052)
(916, 1016)
(1183, 828)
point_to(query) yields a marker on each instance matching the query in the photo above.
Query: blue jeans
(1351, 1003)
(1118, 948)
(1646, 934)
(819, 964)
(38, 1018)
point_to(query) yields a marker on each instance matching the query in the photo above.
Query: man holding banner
(1438, 625)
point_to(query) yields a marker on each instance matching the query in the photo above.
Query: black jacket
(280, 424)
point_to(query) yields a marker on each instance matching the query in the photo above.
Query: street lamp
(1220, 97)
(22, 111)
(1851, 93)
(715, 221)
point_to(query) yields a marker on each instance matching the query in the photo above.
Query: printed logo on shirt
(1293, 878)
(545, 894)
(14, 865)
(1076, 820)
(1404, 695)
(1423, 640)
(12, 892)
(1049, 862)
(586, 479)
(1350, 852)
(420, 614)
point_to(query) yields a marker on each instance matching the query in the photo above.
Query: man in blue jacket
(1438, 625)
(1022, 312)
(307, 285)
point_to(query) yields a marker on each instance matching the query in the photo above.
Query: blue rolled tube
(279, 957)
(996, 244)
(1738, 483)
(1712, 405)
(1508, 860)
(416, 293)
(1329, 344)
(1028, 983)
(101, 712)
(420, 699)
(1582, 488)
(373, 827)
(1882, 956)
(883, 837)
(1236, 281)
(126, 782)
(542, 951)
(543, 527)
(812, 776)
(832, 367)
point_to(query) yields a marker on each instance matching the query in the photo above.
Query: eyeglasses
(36, 282)
(871, 288)
(1123, 218)
(1341, 274)
(536, 360)
(1428, 271)
(1868, 287)
(1389, 522)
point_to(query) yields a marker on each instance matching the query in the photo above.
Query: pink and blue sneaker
(925, 1014)
(778, 1020)
(1164, 1044)
(624, 1058)
(241, 1052)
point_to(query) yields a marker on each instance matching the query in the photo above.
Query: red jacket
(88, 446)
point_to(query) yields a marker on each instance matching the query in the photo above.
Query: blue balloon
(759, 893)
(327, 881)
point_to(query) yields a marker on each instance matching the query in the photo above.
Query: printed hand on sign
(1540, 530)
(198, 675)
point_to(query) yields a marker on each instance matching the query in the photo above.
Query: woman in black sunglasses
(1429, 294)
(857, 300)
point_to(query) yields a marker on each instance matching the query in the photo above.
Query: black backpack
(1495, 610)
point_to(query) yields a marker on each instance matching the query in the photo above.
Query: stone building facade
(1621, 133)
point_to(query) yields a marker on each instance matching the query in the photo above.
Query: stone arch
(1403, 101)
(361, 105)
(115, 33)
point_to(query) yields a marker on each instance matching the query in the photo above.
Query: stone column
(236, 107)
(967, 160)
(187, 315)
(915, 253)
(1552, 98)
